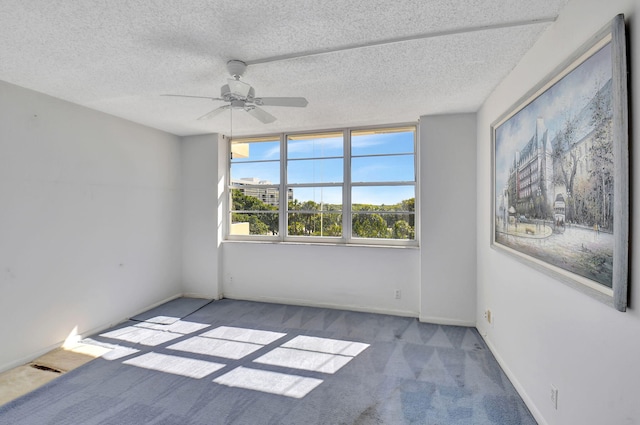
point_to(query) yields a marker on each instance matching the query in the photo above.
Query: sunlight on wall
(72, 339)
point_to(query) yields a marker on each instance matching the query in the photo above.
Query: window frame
(346, 185)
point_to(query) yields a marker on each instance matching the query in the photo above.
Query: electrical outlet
(554, 397)
(488, 316)
(398, 294)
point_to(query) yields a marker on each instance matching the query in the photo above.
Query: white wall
(448, 219)
(202, 214)
(545, 332)
(350, 277)
(89, 221)
(361, 278)
(437, 281)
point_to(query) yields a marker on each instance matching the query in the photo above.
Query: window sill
(331, 244)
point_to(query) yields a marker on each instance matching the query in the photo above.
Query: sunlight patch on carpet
(190, 368)
(304, 360)
(269, 382)
(136, 335)
(119, 352)
(244, 335)
(326, 345)
(216, 347)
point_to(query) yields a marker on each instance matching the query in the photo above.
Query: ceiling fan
(240, 95)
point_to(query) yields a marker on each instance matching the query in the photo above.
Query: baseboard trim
(306, 303)
(447, 321)
(519, 388)
(34, 355)
(199, 295)
(29, 358)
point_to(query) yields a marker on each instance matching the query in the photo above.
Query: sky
(329, 169)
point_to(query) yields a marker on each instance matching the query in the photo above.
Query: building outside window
(355, 186)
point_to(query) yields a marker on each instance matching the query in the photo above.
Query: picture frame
(560, 172)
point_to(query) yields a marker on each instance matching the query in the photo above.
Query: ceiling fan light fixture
(238, 87)
(240, 95)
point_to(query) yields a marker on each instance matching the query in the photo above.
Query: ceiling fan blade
(261, 114)
(213, 113)
(297, 102)
(197, 97)
(238, 87)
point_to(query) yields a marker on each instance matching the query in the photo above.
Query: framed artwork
(560, 162)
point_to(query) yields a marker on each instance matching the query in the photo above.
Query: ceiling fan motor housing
(236, 68)
(240, 95)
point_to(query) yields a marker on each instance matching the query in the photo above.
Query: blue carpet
(238, 362)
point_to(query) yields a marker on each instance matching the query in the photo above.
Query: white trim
(34, 355)
(347, 211)
(346, 185)
(323, 243)
(305, 303)
(199, 295)
(514, 380)
(30, 357)
(446, 321)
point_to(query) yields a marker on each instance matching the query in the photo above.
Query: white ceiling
(383, 62)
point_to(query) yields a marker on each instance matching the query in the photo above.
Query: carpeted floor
(238, 362)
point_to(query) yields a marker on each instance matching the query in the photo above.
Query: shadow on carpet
(238, 362)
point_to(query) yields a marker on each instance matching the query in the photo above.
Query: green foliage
(402, 230)
(312, 219)
(370, 226)
(259, 223)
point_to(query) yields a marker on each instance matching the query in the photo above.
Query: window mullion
(346, 190)
(284, 198)
(306, 221)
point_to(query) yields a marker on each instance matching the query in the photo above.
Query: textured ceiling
(358, 62)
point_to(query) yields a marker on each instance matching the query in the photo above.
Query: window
(347, 186)
(254, 174)
(383, 183)
(315, 170)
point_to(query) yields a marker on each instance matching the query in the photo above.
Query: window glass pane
(244, 150)
(258, 223)
(316, 199)
(383, 168)
(383, 141)
(382, 185)
(314, 224)
(255, 173)
(256, 198)
(374, 198)
(315, 145)
(383, 225)
(315, 171)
